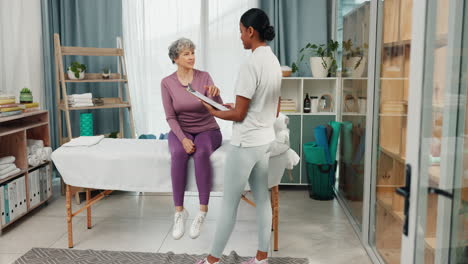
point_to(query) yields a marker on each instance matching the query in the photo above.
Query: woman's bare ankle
(204, 208)
(179, 209)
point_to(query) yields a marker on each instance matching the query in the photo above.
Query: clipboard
(206, 99)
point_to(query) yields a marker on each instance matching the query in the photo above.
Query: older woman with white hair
(194, 132)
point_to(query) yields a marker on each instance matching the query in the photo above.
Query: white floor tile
(243, 240)
(33, 231)
(120, 234)
(9, 258)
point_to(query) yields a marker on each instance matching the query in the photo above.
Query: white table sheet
(140, 165)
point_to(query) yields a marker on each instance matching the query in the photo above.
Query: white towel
(80, 100)
(9, 174)
(8, 169)
(85, 95)
(84, 141)
(47, 153)
(4, 166)
(33, 160)
(33, 149)
(35, 142)
(41, 155)
(7, 160)
(81, 104)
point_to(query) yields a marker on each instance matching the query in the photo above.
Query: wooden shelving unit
(301, 124)
(119, 78)
(14, 132)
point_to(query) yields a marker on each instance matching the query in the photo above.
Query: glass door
(436, 222)
(393, 59)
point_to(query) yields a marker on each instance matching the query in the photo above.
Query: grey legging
(242, 165)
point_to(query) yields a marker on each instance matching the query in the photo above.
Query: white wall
(21, 62)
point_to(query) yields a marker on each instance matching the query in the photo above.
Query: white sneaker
(179, 224)
(197, 224)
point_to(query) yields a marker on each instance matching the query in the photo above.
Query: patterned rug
(72, 256)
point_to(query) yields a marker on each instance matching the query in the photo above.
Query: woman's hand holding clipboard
(206, 99)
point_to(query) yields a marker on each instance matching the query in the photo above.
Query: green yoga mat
(314, 153)
(333, 144)
(86, 124)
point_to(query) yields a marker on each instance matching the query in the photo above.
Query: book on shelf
(31, 105)
(12, 113)
(11, 109)
(8, 105)
(28, 110)
(7, 99)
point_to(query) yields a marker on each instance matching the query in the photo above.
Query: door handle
(406, 193)
(440, 192)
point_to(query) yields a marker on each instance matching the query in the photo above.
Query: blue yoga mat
(320, 133)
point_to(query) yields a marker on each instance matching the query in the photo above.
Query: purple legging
(205, 143)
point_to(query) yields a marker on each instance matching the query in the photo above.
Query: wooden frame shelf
(90, 51)
(119, 78)
(96, 77)
(108, 103)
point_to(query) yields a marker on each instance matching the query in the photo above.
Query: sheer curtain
(21, 48)
(148, 29)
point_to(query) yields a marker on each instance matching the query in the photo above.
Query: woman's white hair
(178, 46)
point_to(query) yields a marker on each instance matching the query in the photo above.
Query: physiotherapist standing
(257, 93)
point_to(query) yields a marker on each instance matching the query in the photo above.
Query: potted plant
(26, 96)
(76, 71)
(106, 72)
(354, 60)
(322, 58)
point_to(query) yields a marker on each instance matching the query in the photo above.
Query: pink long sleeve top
(184, 112)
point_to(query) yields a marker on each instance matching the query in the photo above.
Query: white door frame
(417, 151)
(417, 63)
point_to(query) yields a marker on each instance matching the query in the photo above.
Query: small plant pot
(350, 65)
(317, 68)
(71, 75)
(106, 75)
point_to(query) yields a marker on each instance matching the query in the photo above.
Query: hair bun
(269, 33)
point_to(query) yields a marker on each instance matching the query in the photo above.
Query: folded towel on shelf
(33, 149)
(81, 104)
(4, 166)
(84, 141)
(85, 95)
(7, 160)
(78, 100)
(33, 160)
(10, 174)
(8, 169)
(35, 142)
(46, 153)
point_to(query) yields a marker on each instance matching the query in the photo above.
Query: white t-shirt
(260, 81)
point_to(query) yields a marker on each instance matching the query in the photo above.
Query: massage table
(144, 166)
